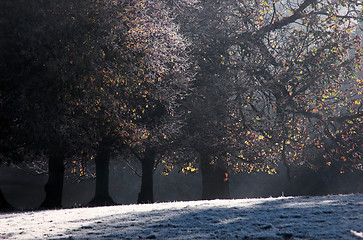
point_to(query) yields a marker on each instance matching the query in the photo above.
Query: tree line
(216, 86)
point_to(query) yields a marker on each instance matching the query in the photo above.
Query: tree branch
(296, 14)
(320, 117)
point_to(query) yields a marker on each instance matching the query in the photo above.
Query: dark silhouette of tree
(274, 81)
(261, 68)
(207, 105)
(50, 57)
(146, 194)
(112, 69)
(164, 73)
(102, 159)
(31, 91)
(4, 204)
(294, 61)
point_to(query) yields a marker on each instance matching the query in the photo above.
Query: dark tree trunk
(102, 196)
(146, 194)
(215, 184)
(54, 187)
(4, 205)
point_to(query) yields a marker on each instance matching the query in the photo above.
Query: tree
(121, 73)
(207, 105)
(261, 66)
(4, 204)
(294, 59)
(44, 69)
(30, 90)
(164, 74)
(102, 159)
(136, 82)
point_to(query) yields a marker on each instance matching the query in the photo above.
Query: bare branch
(296, 14)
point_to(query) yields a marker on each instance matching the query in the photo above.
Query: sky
(326, 217)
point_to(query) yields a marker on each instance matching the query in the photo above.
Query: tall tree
(141, 72)
(294, 60)
(102, 159)
(4, 204)
(48, 54)
(164, 72)
(262, 65)
(207, 106)
(31, 91)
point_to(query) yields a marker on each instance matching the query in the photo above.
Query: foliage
(298, 61)
(117, 70)
(164, 73)
(275, 80)
(245, 83)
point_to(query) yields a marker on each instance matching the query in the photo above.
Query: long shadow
(329, 217)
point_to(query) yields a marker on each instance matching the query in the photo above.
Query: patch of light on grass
(357, 234)
(309, 204)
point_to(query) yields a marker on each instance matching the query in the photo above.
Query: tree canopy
(234, 86)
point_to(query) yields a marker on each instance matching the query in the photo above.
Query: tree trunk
(215, 184)
(146, 194)
(102, 196)
(54, 187)
(4, 204)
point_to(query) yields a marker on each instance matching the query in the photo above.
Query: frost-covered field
(329, 217)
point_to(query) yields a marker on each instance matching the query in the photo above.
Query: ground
(327, 217)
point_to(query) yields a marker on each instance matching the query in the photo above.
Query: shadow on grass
(330, 217)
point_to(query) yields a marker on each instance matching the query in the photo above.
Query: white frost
(358, 234)
(328, 217)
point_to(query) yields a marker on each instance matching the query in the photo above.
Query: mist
(233, 99)
(24, 190)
